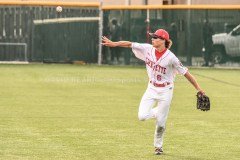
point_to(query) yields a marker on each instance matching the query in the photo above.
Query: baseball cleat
(158, 151)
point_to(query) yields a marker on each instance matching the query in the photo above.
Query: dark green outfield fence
(188, 39)
(68, 41)
(65, 42)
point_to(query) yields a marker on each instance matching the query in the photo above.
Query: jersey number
(159, 78)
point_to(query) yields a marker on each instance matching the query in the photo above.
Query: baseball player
(162, 66)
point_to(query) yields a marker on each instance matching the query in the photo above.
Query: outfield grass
(90, 113)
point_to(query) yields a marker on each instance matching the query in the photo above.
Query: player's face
(158, 42)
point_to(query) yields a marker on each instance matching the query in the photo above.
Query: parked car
(226, 45)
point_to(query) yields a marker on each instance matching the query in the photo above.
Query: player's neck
(161, 48)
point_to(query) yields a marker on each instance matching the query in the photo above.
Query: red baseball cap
(160, 33)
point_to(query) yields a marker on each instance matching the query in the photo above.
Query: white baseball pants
(163, 97)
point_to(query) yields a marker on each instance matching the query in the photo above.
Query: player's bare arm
(193, 81)
(109, 43)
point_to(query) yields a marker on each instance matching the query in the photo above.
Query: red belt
(160, 85)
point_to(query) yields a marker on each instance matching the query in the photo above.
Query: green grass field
(90, 113)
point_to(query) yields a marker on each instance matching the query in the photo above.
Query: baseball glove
(203, 102)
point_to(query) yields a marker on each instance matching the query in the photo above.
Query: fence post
(100, 33)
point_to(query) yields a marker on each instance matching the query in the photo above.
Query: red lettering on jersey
(164, 70)
(160, 69)
(157, 68)
(149, 62)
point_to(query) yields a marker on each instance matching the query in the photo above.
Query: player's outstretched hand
(107, 42)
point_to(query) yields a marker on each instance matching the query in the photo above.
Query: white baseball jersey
(162, 70)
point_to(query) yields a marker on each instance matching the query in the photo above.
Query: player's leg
(105, 55)
(145, 108)
(207, 55)
(112, 54)
(162, 110)
(118, 52)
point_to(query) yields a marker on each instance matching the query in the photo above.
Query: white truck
(226, 45)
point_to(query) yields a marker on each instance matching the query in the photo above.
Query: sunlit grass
(90, 112)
